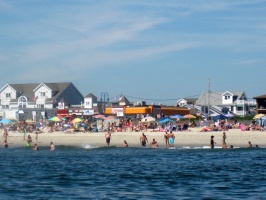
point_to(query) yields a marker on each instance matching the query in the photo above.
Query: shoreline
(192, 138)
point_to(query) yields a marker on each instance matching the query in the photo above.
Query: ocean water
(132, 173)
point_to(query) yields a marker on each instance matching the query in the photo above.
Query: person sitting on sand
(154, 144)
(125, 144)
(205, 129)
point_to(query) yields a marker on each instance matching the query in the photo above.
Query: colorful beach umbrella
(55, 119)
(148, 118)
(76, 120)
(189, 116)
(5, 121)
(99, 116)
(258, 116)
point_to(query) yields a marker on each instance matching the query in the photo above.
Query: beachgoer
(24, 130)
(257, 146)
(125, 144)
(223, 141)
(249, 144)
(143, 140)
(36, 135)
(166, 139)
(5, 134)
(35, 148)
(108, 137)
(154, 144)
(146, 124)
(171, 139)
(231, 147)
(52, 147)
(29, 140)
(5, 144)
(212, 142)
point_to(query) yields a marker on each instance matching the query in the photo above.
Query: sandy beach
(192, 138)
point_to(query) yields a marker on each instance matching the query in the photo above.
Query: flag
(35, 98)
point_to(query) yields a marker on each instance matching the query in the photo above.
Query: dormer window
(226, 97)
(8, 96)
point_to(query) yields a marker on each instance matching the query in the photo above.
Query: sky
(154, 51)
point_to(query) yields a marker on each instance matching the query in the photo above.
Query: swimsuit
(171, 140)
(108, 140)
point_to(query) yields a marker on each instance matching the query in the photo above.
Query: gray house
(36, 100)
(224, 102)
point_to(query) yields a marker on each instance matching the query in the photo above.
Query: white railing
(240, 102)
(43, 97)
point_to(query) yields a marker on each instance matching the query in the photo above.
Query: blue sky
(158, 51)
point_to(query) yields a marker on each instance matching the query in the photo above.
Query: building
(37, 100)
(260, 104)
(224, 102)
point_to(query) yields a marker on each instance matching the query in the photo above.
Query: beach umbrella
(229, 115)
(5, 121)
(165, 120)
(20, 112)
(148, 118)
(189, 116)
(76, 120)
(258, 116)
(55, 119)
(176, 117)
(99, 116)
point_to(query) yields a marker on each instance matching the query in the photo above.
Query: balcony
(240, 102)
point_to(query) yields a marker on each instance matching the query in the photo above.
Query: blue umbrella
(177, 116)
(165, 120)
(5, 121)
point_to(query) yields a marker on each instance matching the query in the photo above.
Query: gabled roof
(227, 92)
(216, 98)
(27, 89)
(124, 99)
(90, 95)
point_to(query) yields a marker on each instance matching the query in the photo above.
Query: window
(8, 96)
(40, 105)
(240, 109)
(226, 97)
(22, 102)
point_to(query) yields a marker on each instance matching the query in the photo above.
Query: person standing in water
(35, 148)
(212, 142)
(171, 139)
(223, 141)
(125, 144)
(52, 147)
(249, 144)
(108, 137)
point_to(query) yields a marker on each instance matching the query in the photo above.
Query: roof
(216, 98)
(260, 97)
(90, 95)
(27, 89)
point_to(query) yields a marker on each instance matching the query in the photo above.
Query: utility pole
(209, 93)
